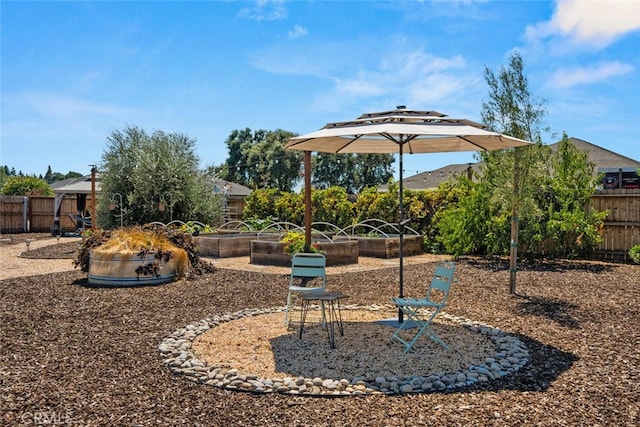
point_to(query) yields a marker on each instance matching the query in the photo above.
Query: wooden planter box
(265, 252)
(385, 247)
(228, 245)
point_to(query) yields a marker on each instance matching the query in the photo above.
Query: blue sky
(72, 72)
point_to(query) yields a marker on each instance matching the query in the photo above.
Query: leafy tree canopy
(555, 219)
(158, 177)
(51, 176)
(17, 185)
(353, 172)
(257, 159)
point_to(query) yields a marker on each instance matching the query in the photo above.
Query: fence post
(25, 209)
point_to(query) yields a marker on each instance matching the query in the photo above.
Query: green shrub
(294, 243)
(634, 253)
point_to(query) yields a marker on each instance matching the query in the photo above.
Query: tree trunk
(513, 252)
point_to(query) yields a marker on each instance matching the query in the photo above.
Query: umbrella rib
(404, 139)
(355, 138)
(473, 143)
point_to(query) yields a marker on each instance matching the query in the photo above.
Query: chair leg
(287, 312)
(435, 338)
(402, 327)
(424, 326)
(303, 317)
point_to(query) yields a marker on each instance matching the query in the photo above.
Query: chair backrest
(441, 281)
(308, 265)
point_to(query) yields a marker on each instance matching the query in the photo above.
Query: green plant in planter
(193, 228)
(294, 243)
(634, 253)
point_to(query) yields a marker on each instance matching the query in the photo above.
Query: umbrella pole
(401, 230)
(307, 200)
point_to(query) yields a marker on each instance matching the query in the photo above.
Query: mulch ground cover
(71, 354)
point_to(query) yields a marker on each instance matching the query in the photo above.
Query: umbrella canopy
(411, 131)
(397, 131)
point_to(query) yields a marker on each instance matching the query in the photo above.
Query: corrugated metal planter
(120, 269)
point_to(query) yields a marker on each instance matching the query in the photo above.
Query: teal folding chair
(306, 267)
(423, 311)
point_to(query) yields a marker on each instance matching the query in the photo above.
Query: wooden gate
(13, 214)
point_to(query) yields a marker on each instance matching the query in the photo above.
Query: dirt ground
(78, 355)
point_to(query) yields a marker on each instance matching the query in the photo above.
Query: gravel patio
(89, 356)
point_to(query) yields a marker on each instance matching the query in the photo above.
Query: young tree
(568, 220)
(513, 110)
(150, 169)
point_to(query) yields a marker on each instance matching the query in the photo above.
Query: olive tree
(158, 177)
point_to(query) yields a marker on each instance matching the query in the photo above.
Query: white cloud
(416, 79)
(438, 88)
(265, 10)
(594, 22)
(389, 75)
(419, 62)
(297, 32)
(586, 75)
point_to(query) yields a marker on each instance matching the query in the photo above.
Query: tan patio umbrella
(398, 131)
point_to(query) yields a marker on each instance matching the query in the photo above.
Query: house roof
(82, 185)
(78, 185)
(233, 189)
(431, 179)
(602, 158)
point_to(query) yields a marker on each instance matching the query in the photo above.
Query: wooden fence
(13, 210)
(20, 214)
(621, 229)
(622, 225)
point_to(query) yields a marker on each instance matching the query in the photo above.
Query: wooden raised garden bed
(385, 247)
(228, 245)
(265, 252)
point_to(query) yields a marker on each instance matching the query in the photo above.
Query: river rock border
(176, 350)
